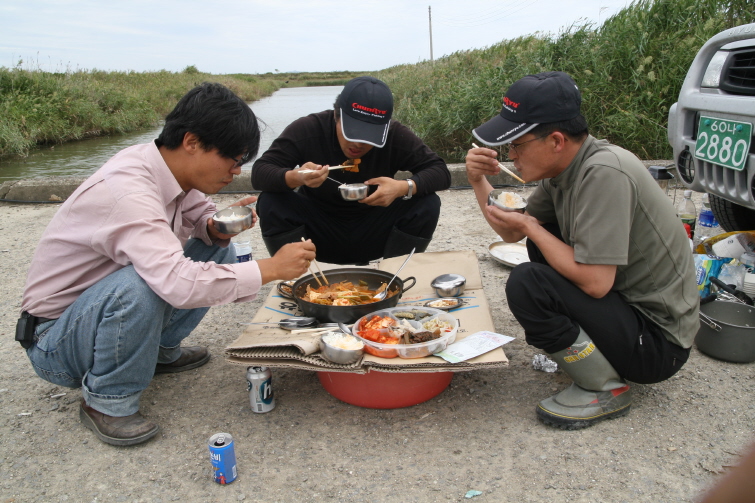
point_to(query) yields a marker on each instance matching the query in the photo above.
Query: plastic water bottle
(243, 251)
(687, 211)
(707, 225)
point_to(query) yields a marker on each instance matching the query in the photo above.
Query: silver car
(710, 128)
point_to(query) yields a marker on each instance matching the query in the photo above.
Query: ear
(559, 141)
(191, 143)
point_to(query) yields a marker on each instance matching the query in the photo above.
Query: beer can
(223, 458)
(259, 383)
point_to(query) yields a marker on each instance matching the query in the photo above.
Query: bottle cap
(687, 193)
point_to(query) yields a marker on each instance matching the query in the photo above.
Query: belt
(39, 321)
(25, 328)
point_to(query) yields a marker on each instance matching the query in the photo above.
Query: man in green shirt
(610, 291)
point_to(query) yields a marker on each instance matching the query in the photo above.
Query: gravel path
(479, 434)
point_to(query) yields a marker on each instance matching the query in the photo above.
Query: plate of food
(444, 303)
(510, 254)
(406, 332)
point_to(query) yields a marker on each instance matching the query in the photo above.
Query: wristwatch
(411, 189)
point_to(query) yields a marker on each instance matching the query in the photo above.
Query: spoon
(344, 328)
(380, 296)
(291, 323)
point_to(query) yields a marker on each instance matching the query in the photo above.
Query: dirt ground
(480, 434)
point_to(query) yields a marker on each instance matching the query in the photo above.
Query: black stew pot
(350, 314)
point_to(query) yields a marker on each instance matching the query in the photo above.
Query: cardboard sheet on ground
(270, 346)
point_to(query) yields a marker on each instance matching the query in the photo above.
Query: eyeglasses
(240, 162)
(514, 147)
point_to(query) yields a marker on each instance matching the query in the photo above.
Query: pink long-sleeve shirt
(132, 211)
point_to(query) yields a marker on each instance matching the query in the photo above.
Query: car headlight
(712, 77)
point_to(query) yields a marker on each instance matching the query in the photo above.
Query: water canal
(82, 158)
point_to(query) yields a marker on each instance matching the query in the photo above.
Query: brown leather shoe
(191, 358)
(128, 430)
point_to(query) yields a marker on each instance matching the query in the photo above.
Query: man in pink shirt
(131, 262)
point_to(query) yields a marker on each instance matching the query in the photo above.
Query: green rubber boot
(597, 393)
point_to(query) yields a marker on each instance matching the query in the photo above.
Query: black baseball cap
(366, 106)
(530, 101)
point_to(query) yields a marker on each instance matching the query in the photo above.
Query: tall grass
(629, 70)
(39, 107)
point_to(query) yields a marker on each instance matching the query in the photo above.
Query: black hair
(576, 129)
(218, 117)
(337, 108)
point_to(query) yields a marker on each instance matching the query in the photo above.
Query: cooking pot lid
(448, 281)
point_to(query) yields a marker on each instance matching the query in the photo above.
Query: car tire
(732, 217)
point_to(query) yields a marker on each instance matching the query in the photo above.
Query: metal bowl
(353, 191)
(233, 220)
(286, 289)
(449, 285)
(339, 355)
(493, 199)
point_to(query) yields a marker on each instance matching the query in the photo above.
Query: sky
(260, 36)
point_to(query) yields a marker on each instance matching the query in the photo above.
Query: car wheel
(732, 217)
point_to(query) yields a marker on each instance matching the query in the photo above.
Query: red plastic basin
(385, 390)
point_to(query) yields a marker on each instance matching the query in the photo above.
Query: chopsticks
(318, 268)
(330, 168)
(312, 331)
(507, 170)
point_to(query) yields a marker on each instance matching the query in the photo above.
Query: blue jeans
(110, 339)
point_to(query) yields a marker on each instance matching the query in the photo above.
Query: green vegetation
(307, 79)
(38, 107)
(629, 70)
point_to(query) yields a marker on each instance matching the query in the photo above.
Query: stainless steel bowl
(339, 355)
(493, 199)
(233, 220)
(449, 285)
(353, 191)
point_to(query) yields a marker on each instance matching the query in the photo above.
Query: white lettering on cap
(511, 131)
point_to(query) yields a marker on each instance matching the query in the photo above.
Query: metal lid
(448, 281)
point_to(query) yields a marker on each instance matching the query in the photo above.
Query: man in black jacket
(301, 198)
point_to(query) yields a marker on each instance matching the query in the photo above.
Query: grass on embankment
(629, 71)
(39, 107)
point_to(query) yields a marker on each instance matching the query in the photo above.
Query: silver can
(259, 383)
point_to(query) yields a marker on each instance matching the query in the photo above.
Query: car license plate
(723, 142)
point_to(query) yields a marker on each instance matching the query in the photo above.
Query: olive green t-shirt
(611, 211)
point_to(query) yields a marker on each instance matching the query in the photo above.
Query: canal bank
(58, 188)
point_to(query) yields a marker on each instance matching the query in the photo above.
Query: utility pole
(430, 19)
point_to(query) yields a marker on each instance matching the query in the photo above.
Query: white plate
(510, 254)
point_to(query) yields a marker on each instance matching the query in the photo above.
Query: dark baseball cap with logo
(530, 101)
(366, 106)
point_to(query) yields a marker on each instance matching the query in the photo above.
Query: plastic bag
(733, 273)
(707, 267)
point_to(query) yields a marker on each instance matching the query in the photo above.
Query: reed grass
(629, 70)
(38, 107)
